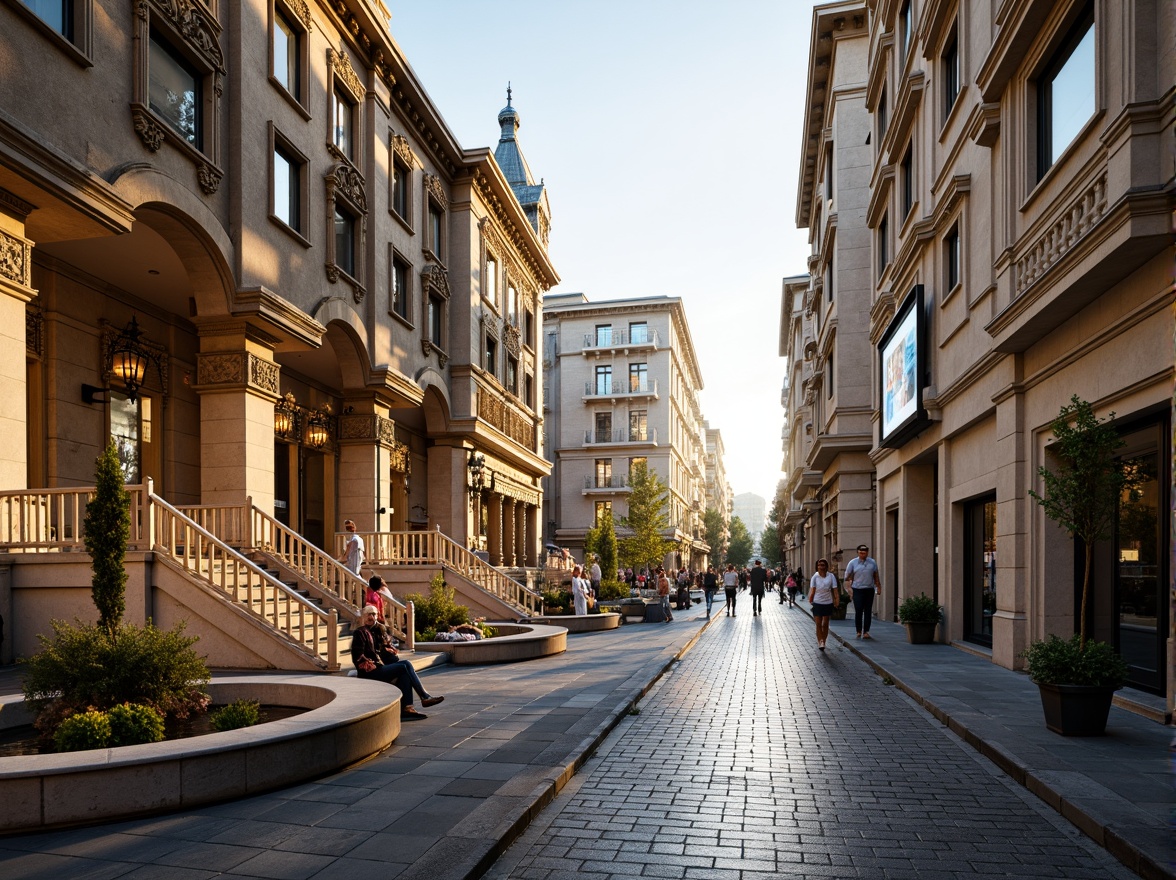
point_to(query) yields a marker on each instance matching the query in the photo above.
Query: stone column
(367, 442)
(520, 536)
(494, 528)
(510, 505)
(531, 539)
(16, 268)
(237, 381)
(1010, 624)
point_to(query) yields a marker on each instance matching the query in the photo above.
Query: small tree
(712, 521)
(606, 546)
(647, 520)
(1083, 493)
(107, 531)
(740, 547)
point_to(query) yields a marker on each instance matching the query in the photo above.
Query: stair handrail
(188, 543)
(436, 548)
(53, 520)
(323, 570)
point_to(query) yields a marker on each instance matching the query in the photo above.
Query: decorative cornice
(371, 428)
(302, 10)
(339, 65)
(344, 180)
(434, 278)
(195, 24)
(237, 369)
(16, 262)
(15, 206)
(436, 191)
(506, 223)
(402, 148)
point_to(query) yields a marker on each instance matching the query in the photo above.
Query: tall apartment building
(336, 302)
(753, 510)
(1019, 216)
(719, 496)
(622, 384)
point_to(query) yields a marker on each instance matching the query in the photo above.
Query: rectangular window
(287, 189)
(906, 28)
(638, 425)
(58, 14)
(345, 241)
(342, 121)
(829, 276)
(603, 473)
(604, 427)
(287, 54)
(951, 73)
(529, 390)
(125, 431)
(175, 90)
(436, 230)
(951, 258)
(603, 508)
(636, 462)
(639, 378)
(491, 361)
(512, 376)
(490, 286)
(401, 292)
(882, 117)
(512, 305)
(401, 183)
(436, 320)
(883, 243)
(1065, 98)
(603, 379)
(638, 333)
(603, 334)
(907, 169)
(829, 172)
(529, 329)
(829, 374)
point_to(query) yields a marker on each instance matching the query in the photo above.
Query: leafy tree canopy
(740, 547)
(648, 520)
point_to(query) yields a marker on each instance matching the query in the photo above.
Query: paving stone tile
(279, 865)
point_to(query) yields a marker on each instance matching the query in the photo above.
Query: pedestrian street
(759, 756)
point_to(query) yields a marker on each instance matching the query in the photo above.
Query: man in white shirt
(353, 553)
(862, 575)
(594, 576)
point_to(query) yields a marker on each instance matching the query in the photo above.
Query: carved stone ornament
(35, 330)
(302, 10)
(434, 278)
(209, 177)
(402, 148)
(15, 262)
(344, 180)
(398, 461)
(220, 369)
(511, 339)
(489, 325)
(332, 273)
(340, 65)
(149, 131)
(263, 374)
(427, 347)
(197, 26)
(436, 191)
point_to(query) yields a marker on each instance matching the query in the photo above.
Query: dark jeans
(730, 591)
(403, 676)
(863, 609)
(757, 599)
(710, 600)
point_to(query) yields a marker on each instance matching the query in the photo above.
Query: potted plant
(1078, 677)
(920, 615)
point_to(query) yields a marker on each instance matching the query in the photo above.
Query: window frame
(344, 86)
(511, 379)
(397, 265)
(1085, 23)
(883, 239)
(402, 159)
(78, 44)
(347, 268)
(907, 184)
(490, 354)
(281, 145)
(300, 27)
(949, 65)
(602, 372)
(952, 259)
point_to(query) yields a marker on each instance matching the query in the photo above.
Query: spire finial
(508, 93)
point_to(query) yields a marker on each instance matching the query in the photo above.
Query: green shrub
(107, 531)
(241, 713)
(83, 731)
(557, 599)
(918, 609)
(439, 611)
(613, 590)
(1066, 661)
(134, 723)
(84, 666)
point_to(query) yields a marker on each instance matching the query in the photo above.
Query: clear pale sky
(668, 134)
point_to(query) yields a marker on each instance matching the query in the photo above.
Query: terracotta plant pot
(1076, 710)
(921, 632)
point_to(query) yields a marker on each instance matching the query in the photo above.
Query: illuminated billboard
(902, 354)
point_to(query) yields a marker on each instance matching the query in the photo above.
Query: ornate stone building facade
(340, 303)
(622, 386)
(1020, 193)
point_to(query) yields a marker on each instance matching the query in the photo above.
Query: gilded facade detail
(339, 64)
(436, 191)
(302, 10)
(149, 131)
(498, 414)
(1083, 214)
(402, 148)
(15, 262)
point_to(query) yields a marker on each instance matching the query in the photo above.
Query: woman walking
(730, 587)
(823, 597)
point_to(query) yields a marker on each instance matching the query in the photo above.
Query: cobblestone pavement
(759, 756)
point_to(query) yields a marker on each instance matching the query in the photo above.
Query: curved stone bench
(349, 721)
(582, 623)
(514, 642)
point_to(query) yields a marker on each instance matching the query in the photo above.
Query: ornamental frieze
(263, 374)
(339, 64)
(302, 10)
(34, 330)
(434, 278)
(436, 191)
(220, 369)
(346, 181)
(15, 259)
(197, 26)
(498, 414)
(511, 339)
(402, 148)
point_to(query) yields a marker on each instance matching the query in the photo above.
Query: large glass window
(400, 287)
(512, 375)
(401, 178)
(58, 14)
(490, 283)
(512, 305)
(125, 431)
(604, 427)
(638, 425)
(603, 473)
(1066, 93)
(342, 120)
(638, 333)
(287, 54)
(436, 320)
(491, 364)
(287, 202)
(603, 508)
(345, 241)
(951, 259)
(436, 231)
(639, 378)
(950, 64)
(603, 379)
(175, 90)
(603, 334)
(979, 569)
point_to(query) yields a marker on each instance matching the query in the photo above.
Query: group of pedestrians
(824, 594)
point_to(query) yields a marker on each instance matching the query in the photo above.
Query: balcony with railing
(612, 485)
(618, 390)
(647, 437)
(621, 339)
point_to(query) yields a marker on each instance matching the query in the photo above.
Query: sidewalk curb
(1139, 861)
(518, 816)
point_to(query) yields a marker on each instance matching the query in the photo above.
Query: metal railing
(616, 482)
(247, 526)
(622, 338)
(621, 436)
(619, 389)
(200, 552)
(435, 548)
